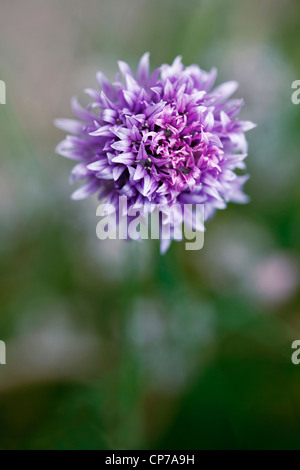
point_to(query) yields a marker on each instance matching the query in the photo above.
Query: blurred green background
(109, 345)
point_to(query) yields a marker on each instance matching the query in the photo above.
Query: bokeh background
(109, 345)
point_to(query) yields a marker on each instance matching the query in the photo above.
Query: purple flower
(160, 138)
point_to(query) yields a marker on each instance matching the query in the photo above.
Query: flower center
(173, 147)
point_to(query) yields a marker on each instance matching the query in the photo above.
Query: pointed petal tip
(250, 125)
(57, 149)
(143, 69)
(57, 123)
(145, 56)
(164, 245)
